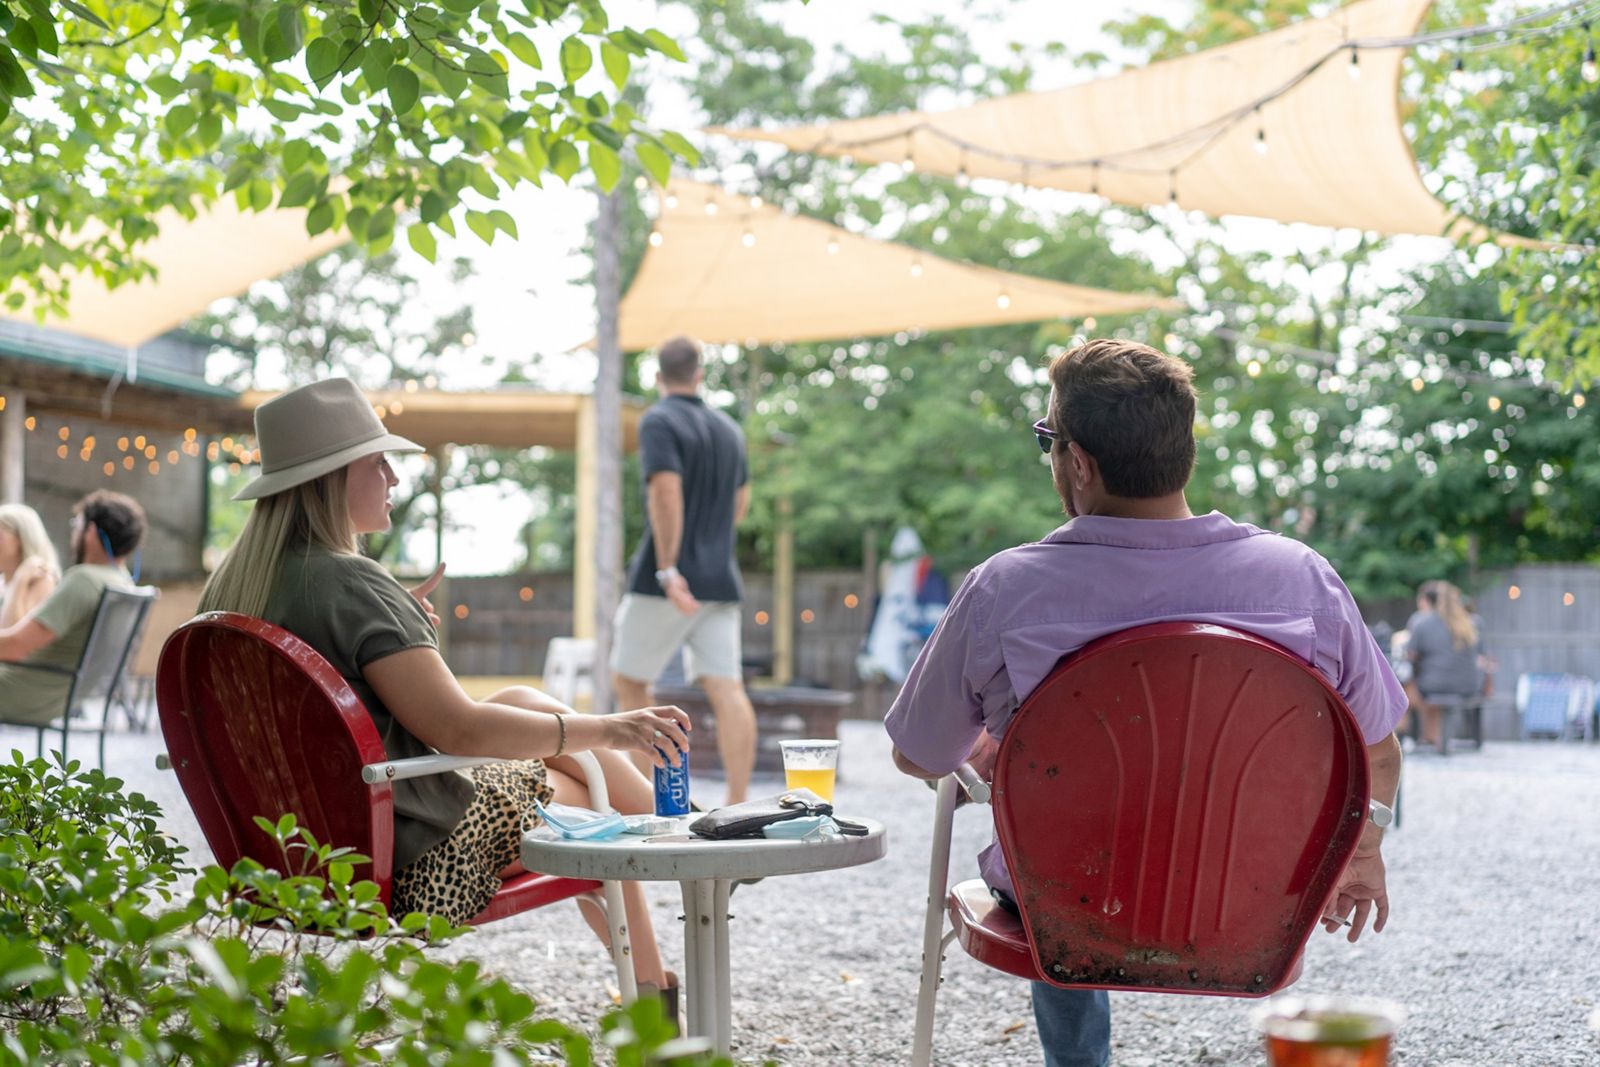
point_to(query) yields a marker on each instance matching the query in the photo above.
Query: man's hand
(421, 593)
(677, 590)
(1363, 886)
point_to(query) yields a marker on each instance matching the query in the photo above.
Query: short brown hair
(1132, 409)
(678, 359)
(117, 516)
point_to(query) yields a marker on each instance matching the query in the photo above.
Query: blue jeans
(1074, 1025)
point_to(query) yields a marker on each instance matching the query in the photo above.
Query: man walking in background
(683, 581)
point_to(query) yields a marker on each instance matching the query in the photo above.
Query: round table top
(682, 857)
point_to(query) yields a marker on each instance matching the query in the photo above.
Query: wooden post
(13, 447)
(439, 459)
(783, 593)
(584, 555)
(871, 698)
(607, 543)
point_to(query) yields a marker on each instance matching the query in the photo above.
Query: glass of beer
(1328, 1031)
(810, 765)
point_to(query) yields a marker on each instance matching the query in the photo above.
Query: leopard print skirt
(457, 877)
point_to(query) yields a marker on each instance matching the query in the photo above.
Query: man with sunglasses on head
(1120, 437)
(107, 530)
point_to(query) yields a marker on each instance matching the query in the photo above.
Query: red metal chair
(258, 723)
(1175, 804)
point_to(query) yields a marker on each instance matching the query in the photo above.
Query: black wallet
(751, 817)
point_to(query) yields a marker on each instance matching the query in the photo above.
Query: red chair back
(1176, 803)
(257, 723)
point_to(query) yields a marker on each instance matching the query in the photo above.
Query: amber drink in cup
(1328, 1031)
(810, 765)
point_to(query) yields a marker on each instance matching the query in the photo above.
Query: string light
(1494, 403)
(916, 266)
(30, 422)
(1416, 385)
(756, 201)
(1578, 400)
(1514, 592)
(1172, 186)
(748, 238)
(833, 246)
(1355, 63)
(1458, 76)
(1567, 599)
(655, 239)
(1591, 69)
(1094, 178)
(711, 206)
(1261, 134)
(1003, 301)
(671, 202)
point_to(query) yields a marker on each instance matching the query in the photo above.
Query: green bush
(102, 962)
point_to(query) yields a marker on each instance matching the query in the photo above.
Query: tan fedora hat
(313, 430)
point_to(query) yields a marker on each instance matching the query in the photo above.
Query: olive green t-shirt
(354, 613)
(37, 697)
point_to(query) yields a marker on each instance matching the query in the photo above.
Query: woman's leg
(647, 966)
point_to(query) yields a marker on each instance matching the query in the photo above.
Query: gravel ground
(1493, 947)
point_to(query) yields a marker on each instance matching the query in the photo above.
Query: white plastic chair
(569, 669)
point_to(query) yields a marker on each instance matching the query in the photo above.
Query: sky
(529, 297)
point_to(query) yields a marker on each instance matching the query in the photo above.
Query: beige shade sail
(1335, 151)
(505, 418)
(221, 252)
(746, 272)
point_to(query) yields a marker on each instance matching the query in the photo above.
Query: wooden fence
(501, 625)
(1537, 617)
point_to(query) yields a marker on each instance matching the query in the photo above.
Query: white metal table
(704, 870)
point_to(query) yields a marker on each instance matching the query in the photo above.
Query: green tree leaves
(406, 104)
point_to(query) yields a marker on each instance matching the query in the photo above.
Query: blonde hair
(25, 523)
(1446, 600)
(312, 513)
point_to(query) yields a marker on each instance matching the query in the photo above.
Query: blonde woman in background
(1444, 651)
(29, 569)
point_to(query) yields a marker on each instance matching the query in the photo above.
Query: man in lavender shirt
(1120, 436)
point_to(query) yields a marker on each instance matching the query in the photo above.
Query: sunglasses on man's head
(1045, 436)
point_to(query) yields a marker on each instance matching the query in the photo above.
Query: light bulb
(1355, 64)
(748, 238)
(1591, 69)
(711, 207)
(833, 247)
(655, 242)
(1002, 301)
(671, 202)
(916, 268)
(1261, 142)
(756, 201)
(908, 164)
(1459, 74)
(962, 180)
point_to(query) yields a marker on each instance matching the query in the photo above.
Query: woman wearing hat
(324, 482)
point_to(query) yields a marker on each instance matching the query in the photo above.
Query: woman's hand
(661, 733)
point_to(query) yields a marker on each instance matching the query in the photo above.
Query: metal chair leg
(933, 942)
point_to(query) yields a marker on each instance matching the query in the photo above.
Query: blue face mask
(803, 828)
(581, 824)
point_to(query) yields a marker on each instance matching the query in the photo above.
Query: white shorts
(649, 630)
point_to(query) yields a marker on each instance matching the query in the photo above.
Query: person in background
(683, 581)
(325, 482)
(1445, 652)
(107, 530)
(29, 569)
(1120, 436)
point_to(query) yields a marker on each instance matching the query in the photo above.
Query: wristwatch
(1381, 815)
(665, 575)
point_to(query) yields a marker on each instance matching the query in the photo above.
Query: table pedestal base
(705, 957)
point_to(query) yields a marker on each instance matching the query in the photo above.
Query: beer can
(672, 788)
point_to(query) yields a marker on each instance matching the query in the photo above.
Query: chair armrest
(422, 766)
(972, 784)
